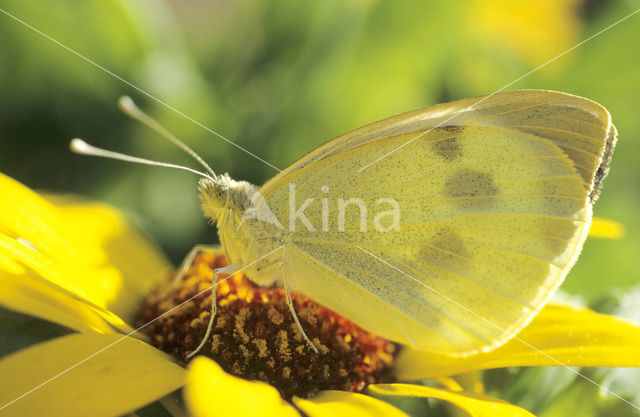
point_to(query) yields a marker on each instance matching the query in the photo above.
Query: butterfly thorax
(245, 231)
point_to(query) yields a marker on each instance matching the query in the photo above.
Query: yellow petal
(474, 404)
(83, 248)
(28, 296)
(212, 392)
(347, 404)
(559, 335)
(66, 257)
(141, 263)
(105, 376)
(42, 272)
(449, 383)
(24, 214)
(606, 228)
(537, 30)
(97, 284)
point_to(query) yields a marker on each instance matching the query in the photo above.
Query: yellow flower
(535, 30)
(80, 266)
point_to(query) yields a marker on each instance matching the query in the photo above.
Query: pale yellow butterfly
(446, 228)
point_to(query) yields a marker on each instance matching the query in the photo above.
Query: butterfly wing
(493, 206)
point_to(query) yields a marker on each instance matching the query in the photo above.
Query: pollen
(255, 336)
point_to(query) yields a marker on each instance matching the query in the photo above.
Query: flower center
(255, 337)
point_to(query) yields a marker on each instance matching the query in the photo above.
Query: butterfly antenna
(83, 148)
(129, 108)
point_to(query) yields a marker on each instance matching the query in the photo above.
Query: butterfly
(446, 228)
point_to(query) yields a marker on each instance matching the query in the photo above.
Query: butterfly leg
(295, 316)
(229, 269)
(186, 264)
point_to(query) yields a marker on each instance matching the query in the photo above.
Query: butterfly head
(223, 193)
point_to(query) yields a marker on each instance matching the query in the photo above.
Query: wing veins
(484, 264)
(422, 302)
(526, 305)
(391, 320)
(533, 106)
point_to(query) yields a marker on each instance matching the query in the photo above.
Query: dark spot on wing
(449, 149)
(470, 183)
(447, 252)
(452, 243)
(453, 129)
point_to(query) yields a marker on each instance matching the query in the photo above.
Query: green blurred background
(280, 78)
